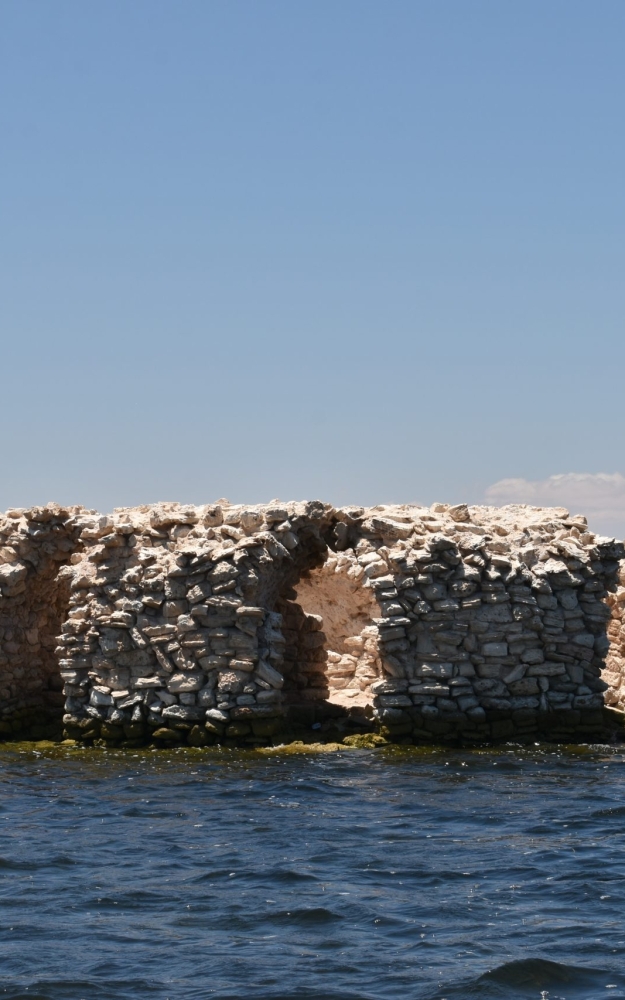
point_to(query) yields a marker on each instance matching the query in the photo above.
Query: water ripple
(413, 874)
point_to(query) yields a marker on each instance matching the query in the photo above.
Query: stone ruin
(245, 625)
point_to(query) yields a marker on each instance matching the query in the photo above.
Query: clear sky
(361, 251)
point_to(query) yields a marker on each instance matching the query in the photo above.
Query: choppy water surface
(357, 874)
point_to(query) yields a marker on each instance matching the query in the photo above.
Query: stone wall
(235, 623)
(614, 673)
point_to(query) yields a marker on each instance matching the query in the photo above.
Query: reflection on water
(401, 873)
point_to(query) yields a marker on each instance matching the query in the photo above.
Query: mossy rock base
(109, 731)
(265, 727)
(134, 731)
(365, 741)
(198, 737)
(236, 729)
(167, 735)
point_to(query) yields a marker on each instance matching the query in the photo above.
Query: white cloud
(600, 496)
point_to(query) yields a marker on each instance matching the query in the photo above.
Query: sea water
(394, 873)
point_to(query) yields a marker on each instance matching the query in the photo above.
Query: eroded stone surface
(614, 673)
(221, 621)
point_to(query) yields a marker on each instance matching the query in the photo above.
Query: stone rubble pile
(228, 622)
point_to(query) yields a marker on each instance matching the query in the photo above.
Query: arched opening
(30, 684)
(35, 585)
(331, 656)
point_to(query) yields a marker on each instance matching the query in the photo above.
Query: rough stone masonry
(238, 624)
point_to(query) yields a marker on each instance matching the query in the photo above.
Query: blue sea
(391, 874)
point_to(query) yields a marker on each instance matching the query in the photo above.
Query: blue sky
(363, 251)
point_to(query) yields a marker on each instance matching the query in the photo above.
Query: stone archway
(35, 585)
(335, 595)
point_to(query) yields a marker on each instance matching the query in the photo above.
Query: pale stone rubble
(228, 621)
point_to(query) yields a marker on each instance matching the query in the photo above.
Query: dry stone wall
(614, 673)
(235, 623)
